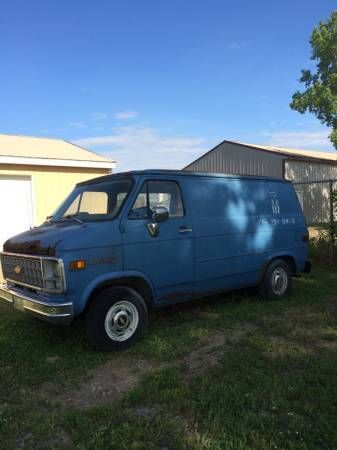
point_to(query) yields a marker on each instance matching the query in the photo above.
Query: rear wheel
(116, 319)
(277, 280)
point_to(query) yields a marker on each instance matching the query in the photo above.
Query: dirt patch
(310, 344)
(207, 354)
(327, 344)
(211, 349)
(280, 346)
(209, 315)
(145, 411)
(107, 383)
(111, 380)
(60, 440)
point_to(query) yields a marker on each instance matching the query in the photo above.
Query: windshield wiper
(49, 219)
(73, 216)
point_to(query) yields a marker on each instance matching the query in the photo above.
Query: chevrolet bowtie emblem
(17, 269)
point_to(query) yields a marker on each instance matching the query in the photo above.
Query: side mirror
(160, 214)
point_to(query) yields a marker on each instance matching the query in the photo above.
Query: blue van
(122, 244)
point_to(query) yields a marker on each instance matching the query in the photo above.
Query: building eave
(20, 160)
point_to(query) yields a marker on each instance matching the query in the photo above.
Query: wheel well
(136, 283)
(290, 260)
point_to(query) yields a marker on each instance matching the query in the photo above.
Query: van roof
(179, 173)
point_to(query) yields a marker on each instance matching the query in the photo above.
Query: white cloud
(300, 139)
(98, 116)
(122, 115)
(77, 124)
(138, 147)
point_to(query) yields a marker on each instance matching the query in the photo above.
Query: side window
(139, 209)
(120, 198)
(158, 193)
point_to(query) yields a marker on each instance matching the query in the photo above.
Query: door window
(158, 193)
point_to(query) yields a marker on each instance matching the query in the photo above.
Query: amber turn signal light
(78, 264)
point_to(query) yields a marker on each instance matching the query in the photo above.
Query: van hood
(50, 237)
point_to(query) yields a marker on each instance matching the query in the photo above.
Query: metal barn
(303, 167)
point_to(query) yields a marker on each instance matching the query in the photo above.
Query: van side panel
(289, 223)
(239, 225)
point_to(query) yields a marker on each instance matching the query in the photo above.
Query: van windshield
(101, 201)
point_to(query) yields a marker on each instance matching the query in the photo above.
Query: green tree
(320, 95)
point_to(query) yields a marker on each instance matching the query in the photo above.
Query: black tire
(106, 306)
(272, 287)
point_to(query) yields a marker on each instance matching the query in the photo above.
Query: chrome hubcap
(279, 281)
(121, 321)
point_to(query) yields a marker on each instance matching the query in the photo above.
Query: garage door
(16, 212)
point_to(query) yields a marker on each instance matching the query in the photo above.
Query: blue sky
(156, 83)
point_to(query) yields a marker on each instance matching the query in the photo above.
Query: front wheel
(116, 319)
(277, 280)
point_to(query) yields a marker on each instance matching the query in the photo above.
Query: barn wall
(50, 185)
(314, 197)
(315, 201)
(299, 171)
(239, 160)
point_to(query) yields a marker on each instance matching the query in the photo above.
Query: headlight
(52, 275)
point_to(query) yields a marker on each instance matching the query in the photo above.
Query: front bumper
(49, 312)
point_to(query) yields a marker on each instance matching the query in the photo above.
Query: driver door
(167, 258)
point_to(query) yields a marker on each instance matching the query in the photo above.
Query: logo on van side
(275, 206)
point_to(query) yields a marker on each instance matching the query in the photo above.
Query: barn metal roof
(283, 151)
(16, 149)
(330, 156)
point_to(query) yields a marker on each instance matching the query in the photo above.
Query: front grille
(22, 270)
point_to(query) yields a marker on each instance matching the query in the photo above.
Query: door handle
(185, 230)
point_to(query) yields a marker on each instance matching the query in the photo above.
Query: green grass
(274, 387)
